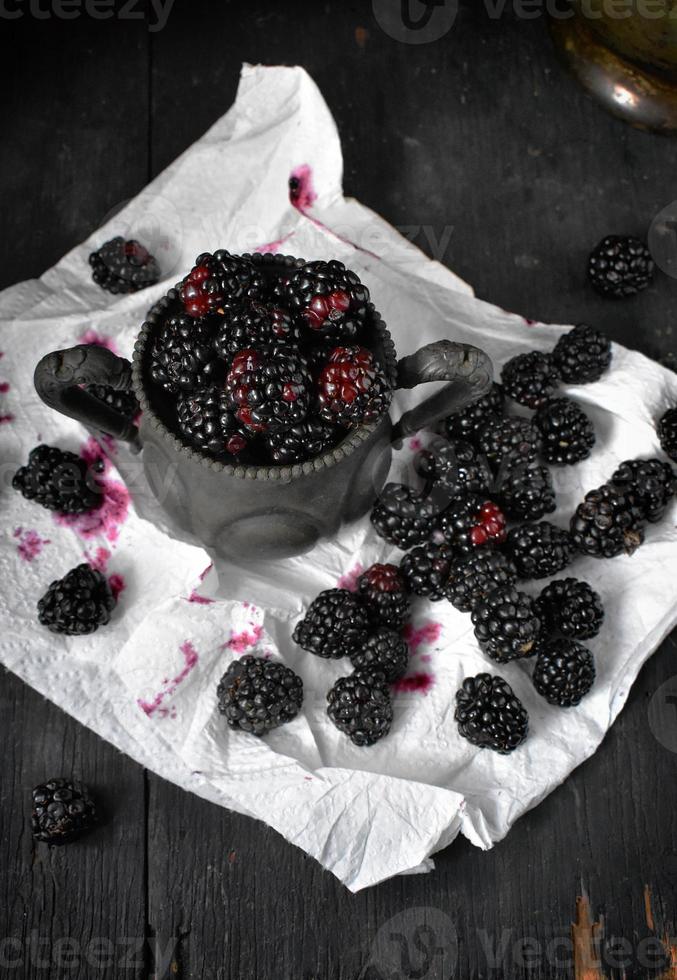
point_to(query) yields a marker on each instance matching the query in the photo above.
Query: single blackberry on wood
(471, 522)
(466, 423)
(509, 440)
(255, 325)
(651, 481)
(270, 390)
(256, 695)
(608, 523)
(526, 492)
(385, 652)
(564, 672)
(58, 480)
(123, 267)
(506, 624)
(539, 550)
(360, 707)
(385, 593)
(335, 624)
(352, 388)
(489, 714)
(207, 423)
(78, 603)
(305, 440)
(330, 299)
(219, 282)
(474, 576)
(667, 433)
(568, 434)
(582, 355)
(530, 379)
(403, 517)
(620, 265)
(425, 569)
(63, 810)
(182, 356)
(572, 608)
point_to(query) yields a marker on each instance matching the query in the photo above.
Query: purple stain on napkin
(29, 544)
(190, 660)
(301, 191)
(419, 683)
(107, 519)
(349, 579)
(101, 340)
(242, 641)
(274, 246)
(428, 632)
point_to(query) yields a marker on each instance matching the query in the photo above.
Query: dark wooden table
(481, 131)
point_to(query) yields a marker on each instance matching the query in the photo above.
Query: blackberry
(426, 569)
(384, 590)
(667, 433)
(360, 707)
(453, 468)
(489, 714)
(306, 440)
(78, 603)
(466, 423)
(58, 480)
(256, 695)
(608, 523)
(471, 522)
(219, 282)
(530, 379)
(620, 266)
(403, 517)
(509, 440)
(582, 355)
(124, 402)
(182, 356)
(330, 299)
(385, 652)
(206, 423)
(335, 624)
(539, 550)
(63, 810)
(568, 434)
(255, 325)
(564, 672)
(353, 389)
(474, 576)
(572, 608)
(123, 267)
(269, 390)
(526, 492)
(651, 481)
(506, 624)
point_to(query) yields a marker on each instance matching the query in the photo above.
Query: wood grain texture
(480, 141)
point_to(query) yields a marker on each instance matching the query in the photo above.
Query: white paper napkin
(147, 681)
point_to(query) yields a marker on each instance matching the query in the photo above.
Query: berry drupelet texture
(567, 433)
(306, 440)
(425, 569)
(330, 300)
(506, 624)
(526, 492)
(509, 440)
(571, 607)
(206, 423)
(489, 715)
(564, 672)
(219, 282)
(122, 267)
(471, 522)
(652, 482)
(620, 265)
(530, 379)
(452, 468)
(255, 324)
(474, 576)
(353, 389)
(608, 522)
(539, 550)
(384, 591)
(667, 433)
(78, 603)
(404, 517)
(335, 624)
(182, 355)
(63, 810)
(58, 480)
(256, 695)
(582, 355)
(269, 390)
(466, 423)
(385, 652)
(124, 402)
(360, 707)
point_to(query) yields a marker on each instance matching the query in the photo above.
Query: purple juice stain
(428, 632)
(91, 336)
(274, 246)
(106, 520)
(29, 544)
(117, 585)
(4, 387)
(419, 683)
(242, 641)
(99, 560)
(349, 579)
(190, 660)
(301, 191)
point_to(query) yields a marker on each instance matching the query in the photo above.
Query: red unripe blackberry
(330, 299)
(353, 389)
(218, 282)
(385, 594)
(269, 390)
(470, 523)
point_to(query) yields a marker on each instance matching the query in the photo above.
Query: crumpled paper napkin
(147, 681)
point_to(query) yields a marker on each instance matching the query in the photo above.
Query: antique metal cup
(243, 512)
